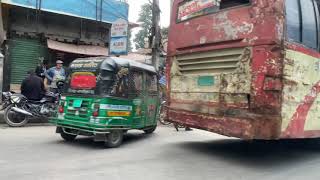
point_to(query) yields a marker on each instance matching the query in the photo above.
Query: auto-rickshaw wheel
(150, 130)
(68, 137)
(114, 139)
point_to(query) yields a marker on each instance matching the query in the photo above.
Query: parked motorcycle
(19, 110)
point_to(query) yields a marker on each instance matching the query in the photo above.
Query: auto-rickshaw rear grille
(84, 104)
(81, 112)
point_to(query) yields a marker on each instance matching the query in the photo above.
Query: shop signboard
(119, 38)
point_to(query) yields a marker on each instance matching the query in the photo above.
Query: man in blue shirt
(163, 80)
(163, 83)
(56, 74)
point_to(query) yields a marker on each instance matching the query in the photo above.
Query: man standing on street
(32, 87)
(56, 74)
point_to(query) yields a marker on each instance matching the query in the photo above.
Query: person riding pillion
(56, 74)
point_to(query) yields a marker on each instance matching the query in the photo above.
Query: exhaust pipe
(18, 110)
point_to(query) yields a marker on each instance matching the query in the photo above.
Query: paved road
(36, 153)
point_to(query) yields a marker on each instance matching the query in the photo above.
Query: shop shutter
(24, 55)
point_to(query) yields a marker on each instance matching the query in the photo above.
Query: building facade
(36, 31)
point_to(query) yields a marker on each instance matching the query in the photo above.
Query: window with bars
(152, 83)
(135, 84)
(194, 8)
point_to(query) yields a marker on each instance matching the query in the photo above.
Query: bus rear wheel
(114, 139)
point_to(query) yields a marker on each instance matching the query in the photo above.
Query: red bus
(245, 68)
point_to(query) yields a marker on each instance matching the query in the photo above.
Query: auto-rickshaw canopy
(103, 75)
(96, 64)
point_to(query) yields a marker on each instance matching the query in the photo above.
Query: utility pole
(155, 34)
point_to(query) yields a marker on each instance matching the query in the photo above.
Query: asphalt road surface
(37, 153)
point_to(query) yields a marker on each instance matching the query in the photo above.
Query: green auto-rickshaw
(104, 97)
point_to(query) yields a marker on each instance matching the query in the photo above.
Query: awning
(137, 57)
(78, 49)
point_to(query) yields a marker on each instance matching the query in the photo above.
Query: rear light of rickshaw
(95, 114)
(61, 109)
(95, 111)
(61, 105)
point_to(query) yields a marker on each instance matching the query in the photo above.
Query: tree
(164, 33)
(164, 38)
(145, 20)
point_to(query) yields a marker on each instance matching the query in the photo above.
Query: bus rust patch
(247, 128)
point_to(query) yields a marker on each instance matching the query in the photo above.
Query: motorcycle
(19, 110)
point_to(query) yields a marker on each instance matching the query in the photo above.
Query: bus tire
(114, 139)
(150, 130)
(68, 137)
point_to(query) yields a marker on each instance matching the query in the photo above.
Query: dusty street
(37, 153)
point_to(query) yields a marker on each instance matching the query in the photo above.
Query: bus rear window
(193, 8)
(232, 3)
(83, 81)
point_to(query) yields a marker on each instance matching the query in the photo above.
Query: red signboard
(83, 82)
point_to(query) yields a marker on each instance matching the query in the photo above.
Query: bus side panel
(301, 104)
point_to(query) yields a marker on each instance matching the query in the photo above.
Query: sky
(135, 7)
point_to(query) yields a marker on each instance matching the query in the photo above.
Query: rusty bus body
(245, 69)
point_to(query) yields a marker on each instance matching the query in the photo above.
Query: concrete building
(47, 30)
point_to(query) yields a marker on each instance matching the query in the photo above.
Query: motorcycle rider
(33, 87)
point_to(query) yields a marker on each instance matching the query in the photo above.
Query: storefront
(40, 31)
(27, 53)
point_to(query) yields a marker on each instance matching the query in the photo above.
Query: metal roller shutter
(24, 55)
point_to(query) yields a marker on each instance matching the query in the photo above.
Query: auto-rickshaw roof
(94, 63)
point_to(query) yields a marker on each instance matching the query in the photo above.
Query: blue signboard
(119, 38)
(100, 10)
(119, 46)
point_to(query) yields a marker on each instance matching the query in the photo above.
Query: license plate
(77, 103)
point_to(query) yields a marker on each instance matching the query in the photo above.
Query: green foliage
(164, 33)
(145, 20)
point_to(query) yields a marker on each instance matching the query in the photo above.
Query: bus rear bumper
(254, 127)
